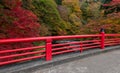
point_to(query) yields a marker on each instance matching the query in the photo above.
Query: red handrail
(49, 49)
(3, 41)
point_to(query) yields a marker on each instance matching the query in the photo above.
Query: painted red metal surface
(102, 40)
(50, 49)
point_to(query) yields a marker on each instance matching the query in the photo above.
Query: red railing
(64, 44)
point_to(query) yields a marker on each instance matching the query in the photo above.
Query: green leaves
(46, 11)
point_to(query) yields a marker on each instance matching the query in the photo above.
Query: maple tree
(16, 22)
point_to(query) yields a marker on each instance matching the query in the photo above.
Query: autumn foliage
(113, 6)
(16, 22)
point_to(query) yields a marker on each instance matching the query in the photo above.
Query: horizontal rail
(21, 49)
(3, 41)
(23, 54)
(22, 59)
(112, 35)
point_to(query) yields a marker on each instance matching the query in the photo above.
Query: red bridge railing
(54, 45)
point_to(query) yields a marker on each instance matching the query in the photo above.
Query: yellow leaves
(75, 20)
(70, 1)
(60, 31)
(74, 3)
(110, 21)
(77, 9)
(102, 13)
(106, 21)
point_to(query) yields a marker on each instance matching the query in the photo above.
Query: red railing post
(48, 49)
(102, 39)
(81, 47)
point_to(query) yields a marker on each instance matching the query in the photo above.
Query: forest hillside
(58, 17)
